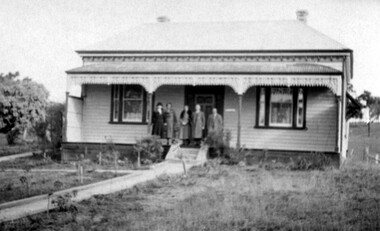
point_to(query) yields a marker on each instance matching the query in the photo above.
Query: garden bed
(38, 162)
(19, 185)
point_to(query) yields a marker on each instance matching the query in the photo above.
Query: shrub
(235, 156)
(54, 119)
(218, 143)
(148, 148)
(317, 161)
(64, 203)
(12, 135)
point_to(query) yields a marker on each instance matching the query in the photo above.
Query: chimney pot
(163, 19)
(302, 15)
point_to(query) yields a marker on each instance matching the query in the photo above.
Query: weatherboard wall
(96, 114)
(96, 119)
(74, 119)
(321, 123)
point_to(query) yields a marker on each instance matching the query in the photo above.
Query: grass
(11, 187)
(38, 162)
(359, 139)
(219, 197)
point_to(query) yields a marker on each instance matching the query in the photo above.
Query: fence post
(366, 154)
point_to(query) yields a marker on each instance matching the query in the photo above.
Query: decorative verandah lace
(239, 83)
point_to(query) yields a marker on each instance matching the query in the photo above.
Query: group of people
(190, 125)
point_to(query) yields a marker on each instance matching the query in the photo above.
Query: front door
(207, 97)
(207, 103)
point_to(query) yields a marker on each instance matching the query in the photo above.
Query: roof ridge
(234, 21)
(326, 36)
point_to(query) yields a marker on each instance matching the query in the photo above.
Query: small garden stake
(80, 168)
(48, 204)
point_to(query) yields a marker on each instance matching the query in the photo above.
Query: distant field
(359, 139)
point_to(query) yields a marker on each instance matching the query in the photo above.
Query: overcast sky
(39, 37)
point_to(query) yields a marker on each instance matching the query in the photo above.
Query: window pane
(132, 92)
(132, 110)
(262, 107)
(300, 108)
(116, 90)
(115, 110)
(281, 104)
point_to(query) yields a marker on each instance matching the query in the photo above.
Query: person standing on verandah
(199, 122)
(185, 120)
(171, 122)
(215, 123)
(158, 121)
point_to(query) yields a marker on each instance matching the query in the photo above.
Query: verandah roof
(199, 67)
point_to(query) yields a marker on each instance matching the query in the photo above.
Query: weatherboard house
(279, 85)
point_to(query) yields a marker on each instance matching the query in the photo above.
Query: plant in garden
(219, 142)
(54, 119)
(80, 167)
(317, 161)
(64, 203)
(149, 147)
(181, 157)
(25, 182)
(115, 153)
(40, 131)
(58, 185)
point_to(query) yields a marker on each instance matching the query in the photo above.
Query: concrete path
(21, 208)
(12, 157)
(119, 171)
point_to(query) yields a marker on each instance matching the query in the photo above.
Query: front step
(189, 153)
(176, 153)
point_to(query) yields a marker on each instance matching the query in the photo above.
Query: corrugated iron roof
(219, 36)
(194, 67)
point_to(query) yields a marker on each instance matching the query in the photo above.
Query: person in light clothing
(215, 122)
(171, 122)
(185, 120)
(199, 122)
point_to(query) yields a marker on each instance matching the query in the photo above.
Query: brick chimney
(163, 19)
(302, 15)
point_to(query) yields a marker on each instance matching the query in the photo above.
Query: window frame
(120, 103)
(267, 101)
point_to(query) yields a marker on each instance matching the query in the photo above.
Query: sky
(38, 38)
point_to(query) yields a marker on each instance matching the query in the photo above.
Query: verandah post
(149, 111)
(238, 143)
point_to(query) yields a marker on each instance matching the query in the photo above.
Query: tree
(373, 103)
(22, 103)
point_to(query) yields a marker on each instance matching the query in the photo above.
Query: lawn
(38, 162)
(18, 185)
(221, 197)
(359, 139)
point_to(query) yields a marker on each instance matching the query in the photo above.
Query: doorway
(207, 97)
(207, 103)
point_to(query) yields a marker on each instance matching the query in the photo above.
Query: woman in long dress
(199, 123)
(171, 122)
(158, 121)
(185, 120)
